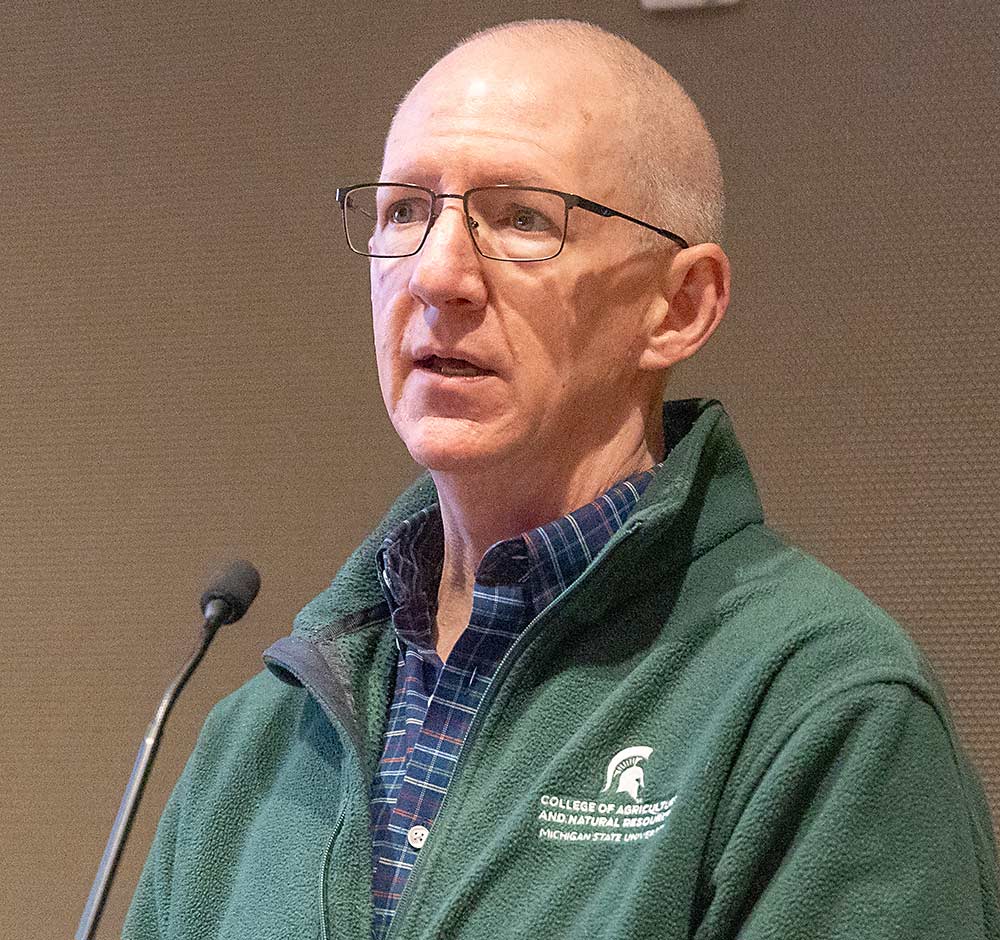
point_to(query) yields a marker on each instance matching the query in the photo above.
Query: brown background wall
(186, 369)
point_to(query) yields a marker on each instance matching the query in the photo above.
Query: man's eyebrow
(412, 174)
(520, 181)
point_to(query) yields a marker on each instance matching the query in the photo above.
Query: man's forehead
(519, 101)
(461, 99)
(536, 91)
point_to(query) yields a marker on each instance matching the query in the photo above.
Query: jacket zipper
(324, 874)
(332, 713)
(502, 669)
(336, 716)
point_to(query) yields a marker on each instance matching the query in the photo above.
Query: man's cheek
(381, 290)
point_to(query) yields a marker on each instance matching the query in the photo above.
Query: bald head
(552, 371)
(647, 132)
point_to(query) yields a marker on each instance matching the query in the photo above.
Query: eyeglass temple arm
(607, 212)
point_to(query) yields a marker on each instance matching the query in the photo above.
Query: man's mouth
(451, 367)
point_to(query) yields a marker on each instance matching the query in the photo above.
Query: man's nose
(448, 269)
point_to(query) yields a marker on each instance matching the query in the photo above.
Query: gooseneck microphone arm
(225, 601)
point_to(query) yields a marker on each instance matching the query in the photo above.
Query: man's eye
(406, 211)
(523, 219)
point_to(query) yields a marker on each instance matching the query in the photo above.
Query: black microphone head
(235, 587)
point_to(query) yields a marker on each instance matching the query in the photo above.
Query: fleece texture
(708, 736)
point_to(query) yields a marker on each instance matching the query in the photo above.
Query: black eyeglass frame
(570, 200)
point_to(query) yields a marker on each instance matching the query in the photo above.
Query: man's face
(488, 363)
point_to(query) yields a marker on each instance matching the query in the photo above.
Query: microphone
(227, 597)
(230, 593)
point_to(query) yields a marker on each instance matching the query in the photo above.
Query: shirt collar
(546, 560)
(551, 557)
(409, 566)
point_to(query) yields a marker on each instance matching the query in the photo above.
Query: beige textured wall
(185, 370)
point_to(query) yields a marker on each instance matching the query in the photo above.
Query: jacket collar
(701, 494)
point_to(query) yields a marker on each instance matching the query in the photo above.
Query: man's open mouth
(451, 367)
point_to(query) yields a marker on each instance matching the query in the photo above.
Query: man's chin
(449, 445)
(444, 459)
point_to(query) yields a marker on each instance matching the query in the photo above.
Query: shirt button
(417, 836)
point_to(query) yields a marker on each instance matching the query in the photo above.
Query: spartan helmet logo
(625, 766)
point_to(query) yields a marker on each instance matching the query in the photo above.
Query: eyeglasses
(507, 223)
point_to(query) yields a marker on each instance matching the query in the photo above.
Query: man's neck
(482, 507)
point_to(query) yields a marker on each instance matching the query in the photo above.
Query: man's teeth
(452, 367)
(448, 369)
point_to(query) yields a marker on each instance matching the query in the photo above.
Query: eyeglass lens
(507, 223)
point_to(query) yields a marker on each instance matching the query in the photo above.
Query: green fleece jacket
(709, 736)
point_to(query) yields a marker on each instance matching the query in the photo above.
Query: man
(571, 686)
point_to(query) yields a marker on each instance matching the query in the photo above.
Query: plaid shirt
(433, 704)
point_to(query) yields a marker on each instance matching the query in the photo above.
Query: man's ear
(691, 304)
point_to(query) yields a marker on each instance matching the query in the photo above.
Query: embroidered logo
(626, 767)
(605, 818)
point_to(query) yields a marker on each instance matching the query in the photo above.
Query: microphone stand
(216, 612)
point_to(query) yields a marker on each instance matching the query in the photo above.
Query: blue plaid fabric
(434, 703)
